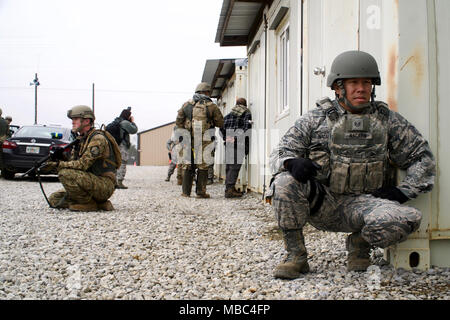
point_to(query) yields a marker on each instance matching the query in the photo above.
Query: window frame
(283, 40)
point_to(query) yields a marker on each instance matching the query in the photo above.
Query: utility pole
(35, 83)
(93, 98)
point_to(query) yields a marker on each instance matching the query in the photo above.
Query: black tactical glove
(302, 169)
(391, 193)
(57, 153)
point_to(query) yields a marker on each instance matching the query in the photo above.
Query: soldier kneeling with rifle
(89, 176)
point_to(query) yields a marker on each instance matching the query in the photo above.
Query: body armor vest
(105, 164)
(198, 117)
(358, 149)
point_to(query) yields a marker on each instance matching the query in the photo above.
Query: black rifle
(54, 154)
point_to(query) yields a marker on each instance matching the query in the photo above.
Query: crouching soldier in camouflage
(333, 169)
(89, 176)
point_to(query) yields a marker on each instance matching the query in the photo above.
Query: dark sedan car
(30, 144)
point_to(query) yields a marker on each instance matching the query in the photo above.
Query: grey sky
(146, 54)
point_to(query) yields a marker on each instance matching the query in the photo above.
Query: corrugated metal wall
(152, 146)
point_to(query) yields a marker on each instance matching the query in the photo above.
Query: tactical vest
(111, 160)
(358, 145)
(198, 116)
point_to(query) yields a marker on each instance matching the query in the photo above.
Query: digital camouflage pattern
(124, 151)
(381, 222)
(89, 174)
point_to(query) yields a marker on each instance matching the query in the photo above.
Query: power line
(103, 90)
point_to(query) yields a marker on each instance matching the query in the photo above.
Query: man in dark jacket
(236, 136)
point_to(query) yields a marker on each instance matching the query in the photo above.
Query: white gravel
(158, 245)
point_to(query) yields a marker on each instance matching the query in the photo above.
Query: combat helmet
(354, 64)
(203, 87)
(81, 112)
(8, 118)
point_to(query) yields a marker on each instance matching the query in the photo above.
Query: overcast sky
(146, 54)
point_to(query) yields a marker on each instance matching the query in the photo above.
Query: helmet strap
(343, 98)
(82, 126)
(373, 95)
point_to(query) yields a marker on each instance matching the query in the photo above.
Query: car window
(13, 128)
(39, 132)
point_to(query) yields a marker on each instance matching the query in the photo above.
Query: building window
(283, 64)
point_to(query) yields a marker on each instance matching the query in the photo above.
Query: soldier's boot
(120, 185)
(89, 206)
(187, 183)
(231, 192)
(358, 258)
(295, 263)
(105, 206)
(200, 187)
(168, 178)
(59, 200)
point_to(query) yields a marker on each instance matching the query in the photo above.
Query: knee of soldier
(286, 188)
(65, 174)
(387, 227)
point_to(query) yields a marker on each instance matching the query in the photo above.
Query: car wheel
(7, 174)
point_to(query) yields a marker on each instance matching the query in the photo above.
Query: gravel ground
(158, 245)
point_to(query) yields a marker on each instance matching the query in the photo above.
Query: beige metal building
(152, 150)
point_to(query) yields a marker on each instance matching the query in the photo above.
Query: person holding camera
(120, 129)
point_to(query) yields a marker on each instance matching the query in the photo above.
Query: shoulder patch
(95, 151)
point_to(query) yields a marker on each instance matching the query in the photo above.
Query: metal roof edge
(163, 125)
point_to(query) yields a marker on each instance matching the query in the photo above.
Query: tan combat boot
(358, 258)
(90, 206)
(295, 262)
(105, 206)
(59, 200)
(120, 185)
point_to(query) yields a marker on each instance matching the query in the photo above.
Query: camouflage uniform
(124, 151)
(126, 128)
(86, 176)
(212, 118)
(175, 149)
(216, 120)
(381, 222)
